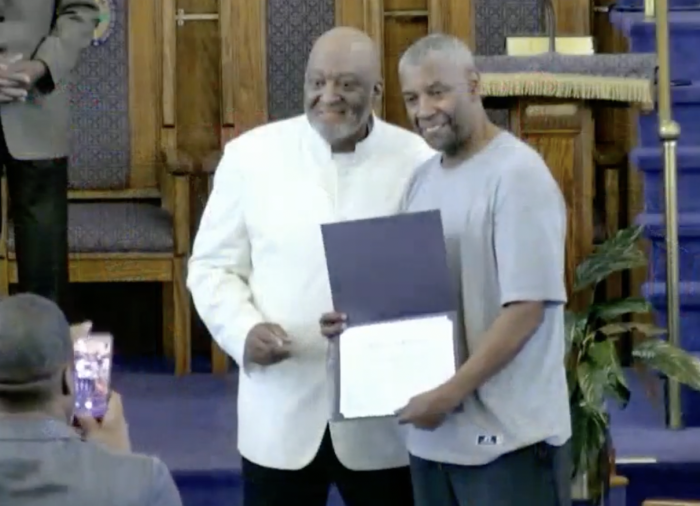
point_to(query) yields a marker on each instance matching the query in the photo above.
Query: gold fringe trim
(570, 86)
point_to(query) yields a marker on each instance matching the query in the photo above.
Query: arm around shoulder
(221, 263)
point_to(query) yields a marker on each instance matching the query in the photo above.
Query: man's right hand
(112, 431)
(266, 344)
(333, 324)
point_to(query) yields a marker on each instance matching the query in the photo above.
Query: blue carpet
(190, 423)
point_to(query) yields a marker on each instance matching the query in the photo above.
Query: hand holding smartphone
(92, 374)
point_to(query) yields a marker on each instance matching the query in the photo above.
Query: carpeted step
(688, 241)
(672, 4)
(686, 111)
(649, 161)
(689, 291)
(685, 39)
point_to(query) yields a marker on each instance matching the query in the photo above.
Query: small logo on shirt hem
(489, 440)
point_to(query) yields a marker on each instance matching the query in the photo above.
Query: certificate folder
(389, 268)
(385, 273)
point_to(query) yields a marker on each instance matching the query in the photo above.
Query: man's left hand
(429, 409)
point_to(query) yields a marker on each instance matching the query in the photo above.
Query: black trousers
(38, 192)
(310, 486)
(537, 475)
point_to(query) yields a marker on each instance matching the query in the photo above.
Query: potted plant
(594, 372)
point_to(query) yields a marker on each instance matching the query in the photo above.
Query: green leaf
(619, 307)
(603, 355)
(574, 328)
(591, 381)
(589, 430)
(669, 360)
(647, 329)
(619, 253)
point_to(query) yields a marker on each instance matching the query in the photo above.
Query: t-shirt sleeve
(530, 235)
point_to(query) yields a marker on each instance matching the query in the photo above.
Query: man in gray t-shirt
(505, 224)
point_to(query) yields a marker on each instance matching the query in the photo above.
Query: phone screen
(92, 374)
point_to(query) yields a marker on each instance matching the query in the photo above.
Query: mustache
(445, 119)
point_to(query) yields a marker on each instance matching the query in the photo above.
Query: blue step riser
(690, 403)
(683, 49)
(687, 115)
(688, 256)
(690, 323)
(673, 4)
(688, 189)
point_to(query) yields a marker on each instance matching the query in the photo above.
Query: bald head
(343, 80)
(349, 44)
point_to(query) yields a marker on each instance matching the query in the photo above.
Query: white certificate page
(383, 365)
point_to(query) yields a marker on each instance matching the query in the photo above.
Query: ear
(378, 90)
(474, 80)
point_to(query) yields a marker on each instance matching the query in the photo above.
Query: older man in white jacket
(258, 278)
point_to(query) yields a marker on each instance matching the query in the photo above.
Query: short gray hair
(446, 45)
(35, 346)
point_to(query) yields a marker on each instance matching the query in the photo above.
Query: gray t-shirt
(505, 225)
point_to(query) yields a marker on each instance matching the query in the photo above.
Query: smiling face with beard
(442, 101)
(341, 84)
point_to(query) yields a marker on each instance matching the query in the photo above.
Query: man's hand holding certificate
(393, 348)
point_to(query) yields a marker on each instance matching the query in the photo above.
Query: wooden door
(396, 24)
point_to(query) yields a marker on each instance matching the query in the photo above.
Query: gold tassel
(569, 86)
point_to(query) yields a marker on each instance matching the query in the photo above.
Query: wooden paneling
(399, 33)
(454, 17)
(198, 81)
(573, 16)
(563, 134)
(144, 89)
(249, 63)
(350, 13)
(405, 5)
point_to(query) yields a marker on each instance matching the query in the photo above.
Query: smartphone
(92, 374)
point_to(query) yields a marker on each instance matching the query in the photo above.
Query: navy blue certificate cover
(389, 268)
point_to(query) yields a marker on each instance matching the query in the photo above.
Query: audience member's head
(36, 354)
(440, 85)
(343, 82)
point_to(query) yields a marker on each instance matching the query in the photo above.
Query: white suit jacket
(258, 257)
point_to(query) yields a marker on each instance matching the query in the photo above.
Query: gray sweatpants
(538, 475)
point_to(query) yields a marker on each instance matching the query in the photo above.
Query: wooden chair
(129, 212)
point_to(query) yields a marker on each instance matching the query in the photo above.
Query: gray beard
(338, 133)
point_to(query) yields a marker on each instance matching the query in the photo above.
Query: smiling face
(441, 101)
(340, 88)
